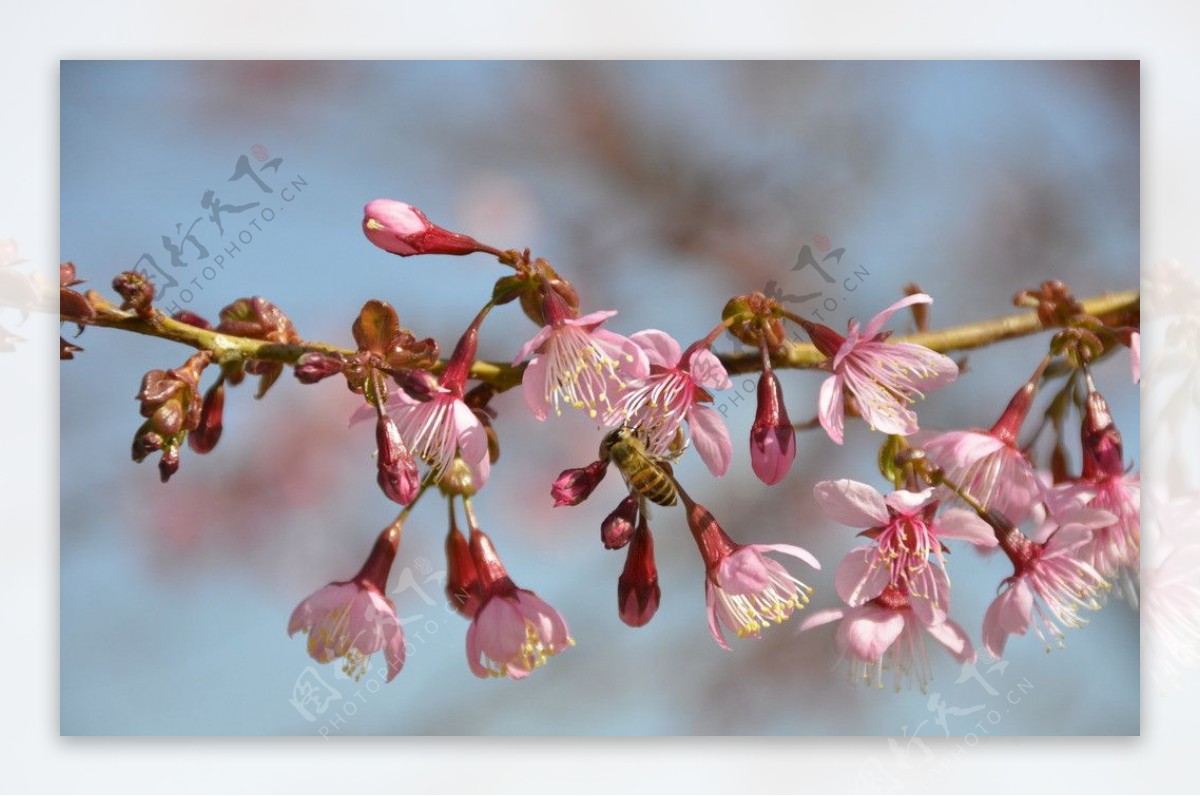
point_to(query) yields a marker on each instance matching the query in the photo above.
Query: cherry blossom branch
(227, 349)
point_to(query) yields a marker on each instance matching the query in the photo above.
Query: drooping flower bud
(168, 465)
(462, 578)
(638, 593)
(618, 527)
(772, 436)
(402, 229)
(397, 475)
(1103, 454)
(72, 305)
(573, 486)
(205, 436)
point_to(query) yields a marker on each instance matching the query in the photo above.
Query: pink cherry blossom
(1052, 583)
(437, 430)
(674, 390)
(1115, 550)
(990, 469)
(747, 592)
(577, 363)
(886, 636)
(513, 631)
(907, 552)
(354, 619)
(881, 377)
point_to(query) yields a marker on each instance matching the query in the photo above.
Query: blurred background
(659, 189)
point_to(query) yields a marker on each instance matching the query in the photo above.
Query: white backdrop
(1161, 34)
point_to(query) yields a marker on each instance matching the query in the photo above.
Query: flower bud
(772, 437)
(826, 340)
(573, 486)
(315, 366)
(618, 527)
(67, 350)
(419, 384)
(752, 316)
(72, 306)
(638, 593)
(462, 579)
(168, 465)
(137, 292)
(192, 319)
(146, 442)
(404, 230)
(1103, 453)
(397, 475)
(205, 436)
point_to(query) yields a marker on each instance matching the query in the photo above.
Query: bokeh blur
(659, 189)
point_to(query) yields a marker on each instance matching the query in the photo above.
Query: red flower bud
(772, 437)
(462, 578)
(402, 229)
(618, 527)
(1103, 453)
(574, 485)
(397, 476)
(638, 593)
(206, 435)
(315, 366)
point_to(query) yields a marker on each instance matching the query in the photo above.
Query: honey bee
(647, 475)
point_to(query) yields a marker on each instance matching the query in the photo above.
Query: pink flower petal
(929, 594)
(966, 526)
(953, 638)
(1009, 614)
(852, 503)
(592, 318)
(861, 577)
(821, 617)
(831, 408)
(714, 627)
(876, 324)
(631, 359)
(868, 631)
(708, 371)
(907, 503)
(661, 348)
(533, 384)
(500, 633)
(790, 550)
(744, 571)
(533, 344)
(711, 438)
